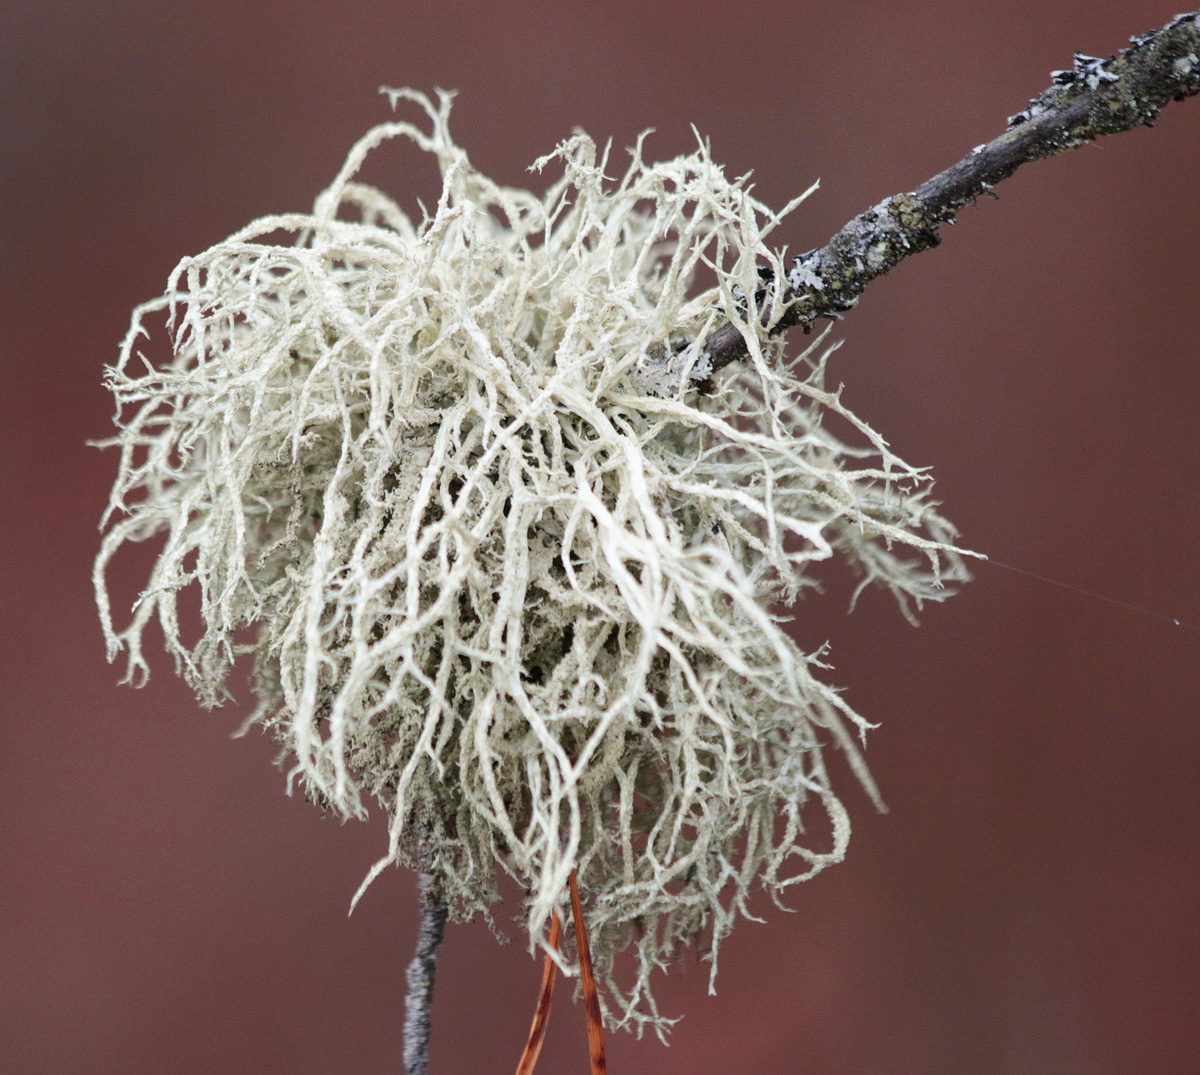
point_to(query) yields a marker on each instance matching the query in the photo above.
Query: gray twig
(420, 977)
(1094, 98)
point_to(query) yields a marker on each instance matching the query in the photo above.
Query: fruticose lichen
(493, 570)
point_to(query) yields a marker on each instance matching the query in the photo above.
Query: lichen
(488, 574)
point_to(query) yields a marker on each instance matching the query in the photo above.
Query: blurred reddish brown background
(1030, 903)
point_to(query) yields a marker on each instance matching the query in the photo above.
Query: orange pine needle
(591, 999)
(541, 1016)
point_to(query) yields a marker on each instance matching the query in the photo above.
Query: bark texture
(420, 978)
(1094, 98)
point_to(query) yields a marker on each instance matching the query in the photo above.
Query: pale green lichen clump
(496, 569)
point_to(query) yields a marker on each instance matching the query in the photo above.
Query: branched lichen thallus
(497, 568)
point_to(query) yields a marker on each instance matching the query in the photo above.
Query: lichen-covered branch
(486, 579)
(420, 977)
(1094, 98)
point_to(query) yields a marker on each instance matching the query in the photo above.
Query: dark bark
(420, 978)
(1094, 98)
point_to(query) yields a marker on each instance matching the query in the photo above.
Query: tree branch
(420, 978)
(1095, 98)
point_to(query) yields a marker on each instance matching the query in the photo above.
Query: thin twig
(541, 1015)
(1094, 98)
(420, 977)
(591, 996)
